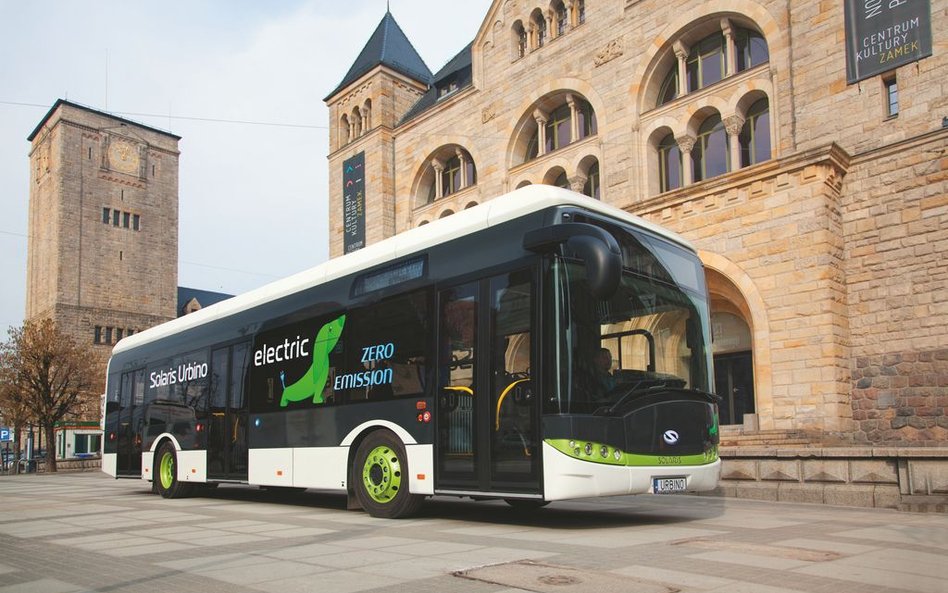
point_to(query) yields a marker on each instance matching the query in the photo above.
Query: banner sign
(353, 203)
(884, 34)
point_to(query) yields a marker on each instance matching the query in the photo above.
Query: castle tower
(103, 225)
(384, 82)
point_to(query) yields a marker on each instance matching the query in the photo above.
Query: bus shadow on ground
(612, 512)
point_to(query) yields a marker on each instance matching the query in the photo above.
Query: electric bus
(542, 346)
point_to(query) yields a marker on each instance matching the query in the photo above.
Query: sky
(241, 81)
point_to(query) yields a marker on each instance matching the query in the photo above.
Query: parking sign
(6, 434)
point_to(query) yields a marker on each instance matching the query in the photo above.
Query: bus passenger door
(227, 414)
(488, 416)
(124, 432)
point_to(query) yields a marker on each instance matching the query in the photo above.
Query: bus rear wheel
(381, 475)
(165, 473)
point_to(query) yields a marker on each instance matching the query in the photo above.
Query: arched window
(669, 164)
(446, 214)
(346, 132)
(448, 170)
(539, 24)
(356, 122)
(558, 129)
(706, 63)
(561, 18)
(591, 187)
(367, 115)
(751, 49)
(755, 135)
(520, 40)
(457, 175)
(710, 154)
(561, 181)
(470, 205)
(669, 89)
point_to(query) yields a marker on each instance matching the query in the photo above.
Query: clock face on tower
(123, 156)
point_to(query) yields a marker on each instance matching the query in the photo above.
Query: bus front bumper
(566, 477)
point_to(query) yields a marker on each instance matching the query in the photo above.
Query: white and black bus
(542, 346)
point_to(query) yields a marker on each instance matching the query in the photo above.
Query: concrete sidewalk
(86, 532)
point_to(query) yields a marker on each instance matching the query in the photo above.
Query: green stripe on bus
(599, 453)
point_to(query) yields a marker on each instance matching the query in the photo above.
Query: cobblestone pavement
(87, 532)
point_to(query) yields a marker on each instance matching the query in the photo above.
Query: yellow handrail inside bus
(500, 401)
(466, 390)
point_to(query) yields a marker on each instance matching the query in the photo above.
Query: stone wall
(867, 477)
(895, 221)
(902, 396)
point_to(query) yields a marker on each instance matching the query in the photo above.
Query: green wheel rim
(166, 470)
(382, 474)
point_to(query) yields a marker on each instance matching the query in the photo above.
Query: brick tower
(103, 225)
(383, 83)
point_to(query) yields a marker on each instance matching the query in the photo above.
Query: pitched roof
(457, 70)
(388, 46)
(205, 298)
(60, 102)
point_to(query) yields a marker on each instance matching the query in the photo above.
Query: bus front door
(488, 415)
(227, 416)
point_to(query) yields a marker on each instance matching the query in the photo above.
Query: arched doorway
(733, 367)
(732, 348)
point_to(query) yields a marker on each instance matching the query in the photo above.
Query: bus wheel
(166, 473)
(381, 477)
(526, 504)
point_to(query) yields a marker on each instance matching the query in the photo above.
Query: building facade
(819, 207)
(103, 225)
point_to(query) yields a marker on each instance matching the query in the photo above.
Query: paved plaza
(87, 532)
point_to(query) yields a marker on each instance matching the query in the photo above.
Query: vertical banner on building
(353, 203)
(884, 34)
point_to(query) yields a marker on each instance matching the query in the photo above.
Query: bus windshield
(649, 338)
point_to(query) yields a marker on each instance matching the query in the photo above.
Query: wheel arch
(354, 440)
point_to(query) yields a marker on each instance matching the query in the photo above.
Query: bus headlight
(588, 449)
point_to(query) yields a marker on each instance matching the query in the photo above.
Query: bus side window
(386, 344)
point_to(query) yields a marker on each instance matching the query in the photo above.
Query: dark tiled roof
(457, 70)
(204, 297)
(388, 46)
(59, 102)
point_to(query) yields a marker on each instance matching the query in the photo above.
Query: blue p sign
(5, 435)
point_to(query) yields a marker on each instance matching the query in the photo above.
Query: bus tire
(166, 473)
(380, 473)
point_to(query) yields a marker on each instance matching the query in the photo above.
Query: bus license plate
(668, 485)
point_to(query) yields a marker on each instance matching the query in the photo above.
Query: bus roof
(510, 206)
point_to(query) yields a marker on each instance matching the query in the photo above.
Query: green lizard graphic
(314, 379)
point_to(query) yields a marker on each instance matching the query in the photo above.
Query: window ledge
(559, 151)
(710, 90)
(439, 203)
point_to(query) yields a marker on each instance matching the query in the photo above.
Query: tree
(50, 375)
(13, 410)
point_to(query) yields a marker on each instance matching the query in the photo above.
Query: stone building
(819, 207)
(103, 225)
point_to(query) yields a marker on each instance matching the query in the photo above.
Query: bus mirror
(598, 249)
